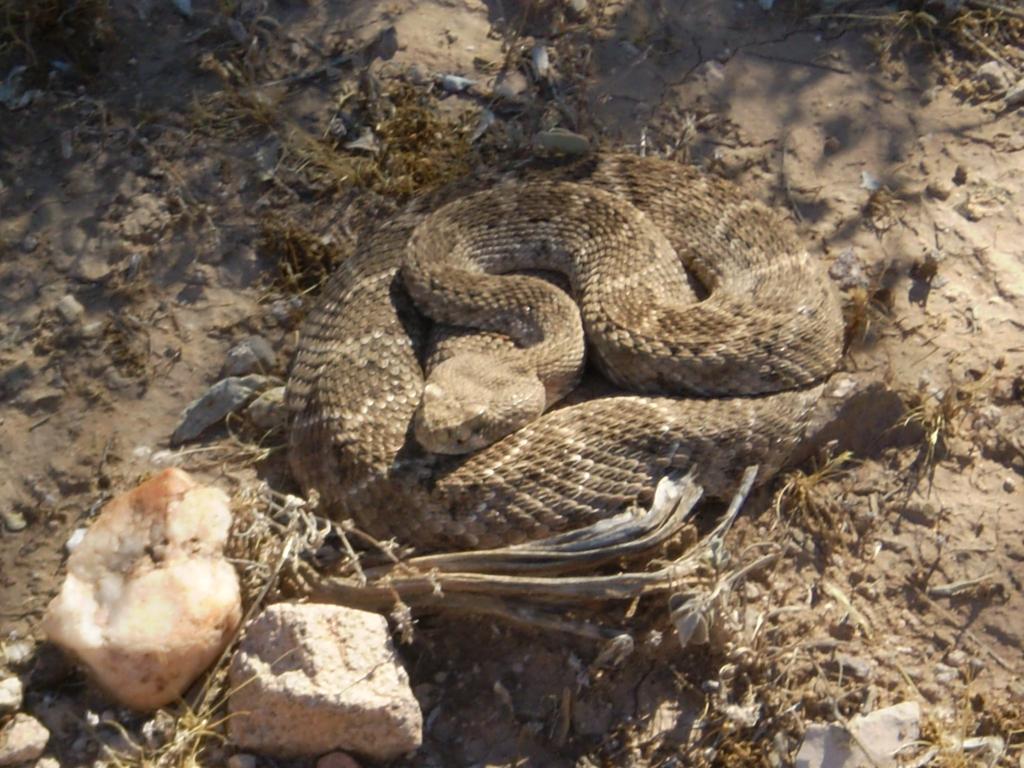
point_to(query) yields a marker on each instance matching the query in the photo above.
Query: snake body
(728, 381)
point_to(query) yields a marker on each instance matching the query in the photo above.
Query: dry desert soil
(177, 177)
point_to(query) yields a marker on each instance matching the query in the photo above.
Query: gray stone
(824, 746)
(884, 732)
(226, 396)
(22, 740)
(871, 741)
(242, 760)
(561, 141)
(311, 679)
(856, 667)
(1015, 96)
(268, 412)
(993, 74)
(251, 355)
(10, 695)
(848, 271)
(69, 309)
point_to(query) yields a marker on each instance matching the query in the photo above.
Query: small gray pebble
(224, 397)
(251, 355)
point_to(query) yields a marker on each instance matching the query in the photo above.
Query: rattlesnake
(620, 229)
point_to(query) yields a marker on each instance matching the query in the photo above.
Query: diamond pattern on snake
(427, 395)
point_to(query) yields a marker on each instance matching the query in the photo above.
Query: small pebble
(226, 396)
(956, 658)
(940, 190)
(855, 666)
(578, 7)
(1009, 486)
(994, 76)
(848, 271)
(93, 330)
(30, 243)
(13, 520)
(456, 83)
(11, 692)
(242, 760)
(562, 141)
(268, 412)
(69, 309)
(337, 760)
(540, 61)
(22, 740)
(1015, 96)
(945, 675)
(251, 355)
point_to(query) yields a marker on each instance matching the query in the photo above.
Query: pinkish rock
(22, 740)
(311, 679)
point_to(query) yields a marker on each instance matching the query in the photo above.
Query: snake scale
(716, 383)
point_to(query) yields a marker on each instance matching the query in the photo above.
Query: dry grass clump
(968, 32)
(35, 32)
(938, 416)
(413, 148)
(806, 502)
(981, 732)
(394, 142)
(304, 260)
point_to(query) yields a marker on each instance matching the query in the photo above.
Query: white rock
(871, 741)
(11, 692)
(311, 679)
(47, 762)
(16, 651)
(149, 601)
(23, 739)
(883, 732)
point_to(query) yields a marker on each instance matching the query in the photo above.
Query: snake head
(471, 401)
(446, 424)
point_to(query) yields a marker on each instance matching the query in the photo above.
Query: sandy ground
(160, 192)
